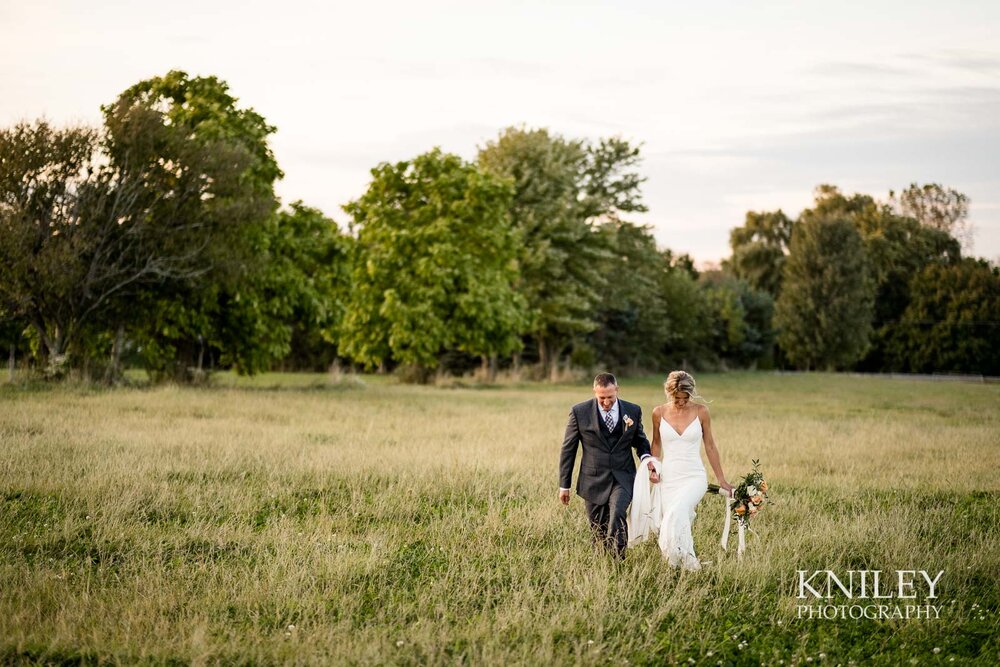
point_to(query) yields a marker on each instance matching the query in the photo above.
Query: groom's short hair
(605, 380)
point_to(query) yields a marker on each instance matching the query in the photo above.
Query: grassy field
(291, 519)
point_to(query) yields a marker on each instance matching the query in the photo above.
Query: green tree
(611, 184)
(13, 343)
(92, 221)
(293, 297)
(563, 190)
(824, 312)
(897, 247)
(739, 330)
(203, 108)
(434, 265)
(759, 248)
(688, 319)
(229, 307)
(47, 187)
(937, 207)
(633, 324)
(311, 270)
(681, 262)
(952, 322)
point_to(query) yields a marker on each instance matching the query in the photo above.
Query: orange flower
(756, 499)
(740, 509)
(763, 486)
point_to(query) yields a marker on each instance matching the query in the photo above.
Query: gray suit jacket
(607, 457)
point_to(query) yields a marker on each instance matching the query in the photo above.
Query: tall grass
(293, 520)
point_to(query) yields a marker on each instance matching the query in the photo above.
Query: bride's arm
(655, 449)
(711, 451)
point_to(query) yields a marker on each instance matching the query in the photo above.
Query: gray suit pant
(607, 522)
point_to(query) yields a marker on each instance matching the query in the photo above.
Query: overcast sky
(738, 105)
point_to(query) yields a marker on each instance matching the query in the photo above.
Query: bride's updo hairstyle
(680, 382)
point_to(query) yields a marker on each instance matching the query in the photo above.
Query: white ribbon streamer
(727, 515)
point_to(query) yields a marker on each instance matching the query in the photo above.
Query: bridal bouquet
(749, 495)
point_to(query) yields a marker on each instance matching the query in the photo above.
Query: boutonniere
(628, 422)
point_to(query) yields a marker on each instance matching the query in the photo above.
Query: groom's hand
(564, 496)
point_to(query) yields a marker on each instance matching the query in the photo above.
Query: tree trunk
(54, 349)
(488, 367)
(556, 355)
(114, 367)
(10, 363)
(516, 361)
(50, 347)
(543, 357)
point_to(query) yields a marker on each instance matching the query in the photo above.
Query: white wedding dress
(668, 507)
(683, 484)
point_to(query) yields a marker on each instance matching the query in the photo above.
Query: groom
(608, 428)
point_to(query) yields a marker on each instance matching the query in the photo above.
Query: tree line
(873, 285)
(157, 241)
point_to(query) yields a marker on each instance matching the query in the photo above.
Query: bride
(679, 426)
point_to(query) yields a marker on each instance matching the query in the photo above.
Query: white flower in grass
(937, 650)
(400, 643)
